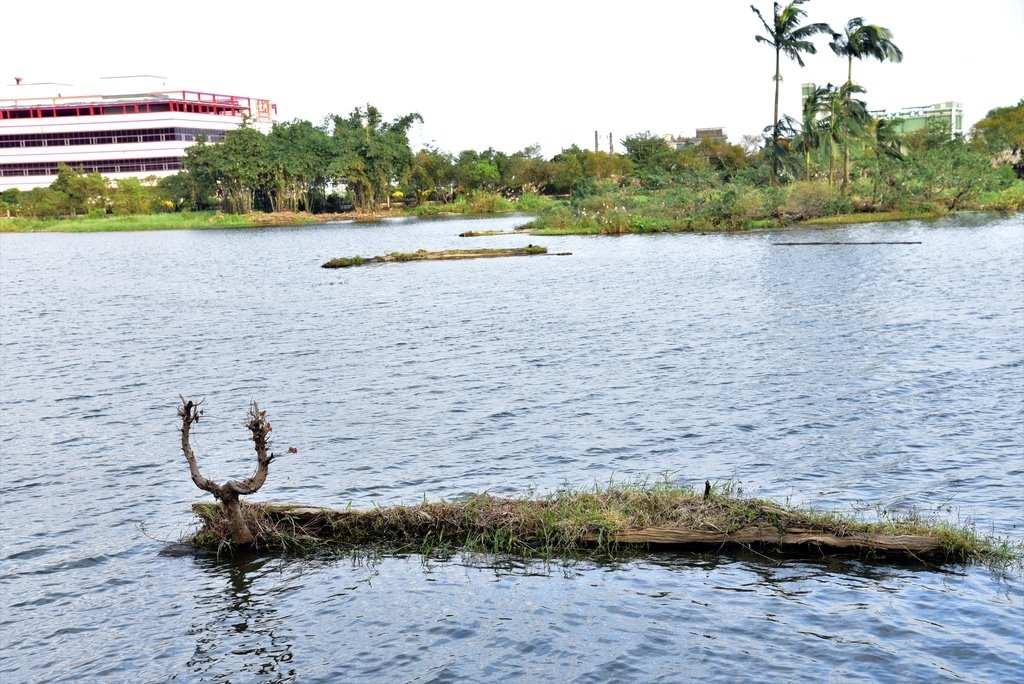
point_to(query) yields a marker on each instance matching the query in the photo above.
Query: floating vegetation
(488, 233)
(602, 521)
(442, 255)
(568, 522)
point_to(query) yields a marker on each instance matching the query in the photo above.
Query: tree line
(365, 161)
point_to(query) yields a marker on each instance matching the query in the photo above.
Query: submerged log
(809, 244)
(545, 527)
(442, 255)
(904, 544)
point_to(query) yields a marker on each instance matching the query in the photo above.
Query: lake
(872, 378)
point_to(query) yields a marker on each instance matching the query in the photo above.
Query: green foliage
(846, 119)
(187, 191)
(370, 154)
(1009, 198)
(810, 199)
(299, 155)
(950, 175)
(344, 262)
(41, 203)
(81, 193)
(648, 152)
(132, 197)
(860, 40)
(9, 202)
(165, 221)
(431, 175)
(1001, 133)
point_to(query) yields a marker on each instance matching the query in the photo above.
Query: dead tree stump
(229, 492)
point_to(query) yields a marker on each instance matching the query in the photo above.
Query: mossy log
(488, 233)
(582, 523)
(442, 255)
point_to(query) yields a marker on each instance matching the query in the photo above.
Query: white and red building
(126, 126)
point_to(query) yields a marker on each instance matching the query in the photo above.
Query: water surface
(881, 377)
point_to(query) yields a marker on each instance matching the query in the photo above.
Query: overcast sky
(508, 75)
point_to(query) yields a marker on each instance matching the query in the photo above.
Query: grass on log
(574, 522)
(442, 255)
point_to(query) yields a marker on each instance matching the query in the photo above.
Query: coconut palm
(884, 142)
(846, 118)
(786, 35)
(811, 134)
(860, 40)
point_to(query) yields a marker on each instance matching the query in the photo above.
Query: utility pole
(611, 148)
(595, 141)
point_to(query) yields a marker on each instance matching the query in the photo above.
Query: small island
(440, 255)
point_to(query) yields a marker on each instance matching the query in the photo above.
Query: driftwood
(805, 244)
(229, 492)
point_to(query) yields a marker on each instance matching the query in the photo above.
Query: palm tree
(786, 35)
(885, 142)
(860, 40)
(846, 118)
(811, 133)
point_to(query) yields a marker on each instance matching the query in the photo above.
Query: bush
(811, 199)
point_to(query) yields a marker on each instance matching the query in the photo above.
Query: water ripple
(874, 377)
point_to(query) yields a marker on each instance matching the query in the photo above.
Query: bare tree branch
(228, 494)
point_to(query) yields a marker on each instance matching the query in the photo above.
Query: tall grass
(141, 222)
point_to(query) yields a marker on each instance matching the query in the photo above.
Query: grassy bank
(89, 224)
(602, 521)
(872, 217)
(614, 210)
(188, 220)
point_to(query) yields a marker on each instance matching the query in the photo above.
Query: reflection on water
(888, 376)
(237, 632)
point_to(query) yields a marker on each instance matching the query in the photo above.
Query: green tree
(299, 155)
(371, 154)
(786, 36)
(885, 146)
(432, 175)
(1001, 132)
(528, 171)
(130, 196)
(478, 170)
(187, 191)
(950, 173)
(244, 168)
(81, 193)
(41, 203)
(860, 40)
(9, 201)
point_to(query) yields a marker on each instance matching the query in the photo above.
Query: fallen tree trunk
(566, 522)
(532, 528)
(442, 255)
(908, 544)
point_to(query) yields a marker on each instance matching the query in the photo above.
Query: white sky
(512, 74)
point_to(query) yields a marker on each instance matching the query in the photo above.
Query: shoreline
(221, 221)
